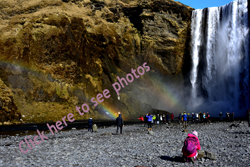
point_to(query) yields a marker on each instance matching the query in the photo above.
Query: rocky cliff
(58, 54)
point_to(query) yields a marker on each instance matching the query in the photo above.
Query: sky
(200, 4)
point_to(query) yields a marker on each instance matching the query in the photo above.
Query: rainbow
(163, 92)
(109, 111)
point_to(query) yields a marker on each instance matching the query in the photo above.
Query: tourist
(197, 117)
(163, 118)
(167, 118)
(180, 117)
(141, 119)
(204, 117)
(119, 123)
(154, 118)
(160, 119)
(208, 116)
(184, 116)
(157, 119)
(150, 118)
(248, 117)
(200, 116)
(191, 145)
(193, 117)
(90, 123)
(220, 116)
(145, 120)
(172, 117)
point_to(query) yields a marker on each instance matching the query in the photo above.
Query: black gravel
(134, 147)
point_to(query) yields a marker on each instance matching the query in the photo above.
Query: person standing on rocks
(150, 118)
(208, 116)
(119, 123)
(154, 118)
(161, 119)
(248, 117)
(220, 116)
(141, 118)
(200, 116)
(90, 123)
(180, 117)
(164, 118)
(145, 120)
(157, 119)
(167, 118)
(191, 147)
(184, 116)
(172, 117)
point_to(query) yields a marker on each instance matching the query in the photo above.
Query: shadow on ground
(175, 159)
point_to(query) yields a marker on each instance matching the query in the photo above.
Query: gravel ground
(134, 147)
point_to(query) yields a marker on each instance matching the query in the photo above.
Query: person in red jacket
(172, 117)
(141, 118)
(191, 145)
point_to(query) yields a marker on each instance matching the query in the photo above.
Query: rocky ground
(133, 148)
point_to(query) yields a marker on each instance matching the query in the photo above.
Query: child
(191, 145)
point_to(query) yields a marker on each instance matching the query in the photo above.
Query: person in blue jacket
(90, 123)
(184, 116)
(150, 118)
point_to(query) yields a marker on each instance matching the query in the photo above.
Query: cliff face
(56, 55)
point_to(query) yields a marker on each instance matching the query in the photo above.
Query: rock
(210, 155)
(150, 132)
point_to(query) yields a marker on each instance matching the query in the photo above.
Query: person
(197, 117)
(180, 117)
(145, 120)
(172, 117)
(208, 116)
(188, 119)
(150, 118)
(204, 117)
(157, 119)
(119, 123)
(154, 118)
(200, 116)
(193, 117)
(164, 118)
(233, 116)
(248, 117)
(141, 118)
(94, 128)
(184, 116)
(191, 147)
(220, 116)
(167, 118)
(161, 119)
(90, 123)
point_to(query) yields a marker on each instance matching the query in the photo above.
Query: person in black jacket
(248, 117)
(119, 123)
(90, 123)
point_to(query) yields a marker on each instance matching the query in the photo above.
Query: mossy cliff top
(58, 54)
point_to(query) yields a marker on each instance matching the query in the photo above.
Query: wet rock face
(8, 109)
(60, 54)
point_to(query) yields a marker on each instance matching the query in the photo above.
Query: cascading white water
(220, 55)
(195, 32)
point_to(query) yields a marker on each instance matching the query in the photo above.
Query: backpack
(190, 145)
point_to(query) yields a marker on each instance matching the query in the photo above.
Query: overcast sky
(200, 4)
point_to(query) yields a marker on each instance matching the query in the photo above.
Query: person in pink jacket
(191, 147)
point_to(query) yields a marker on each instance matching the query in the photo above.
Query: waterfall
(220, 59)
